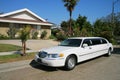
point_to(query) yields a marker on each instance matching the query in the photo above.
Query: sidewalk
(5, 67)
(34, 45)
(16, 52)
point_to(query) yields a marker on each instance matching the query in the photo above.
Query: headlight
(52, 55)
(55, 55)
(42, 54)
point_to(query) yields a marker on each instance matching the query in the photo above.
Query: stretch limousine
(74, 50)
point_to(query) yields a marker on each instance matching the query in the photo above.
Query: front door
(86, 52)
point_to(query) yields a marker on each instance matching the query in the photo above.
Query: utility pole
(113, 20)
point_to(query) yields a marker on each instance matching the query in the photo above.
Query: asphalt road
(102, 68)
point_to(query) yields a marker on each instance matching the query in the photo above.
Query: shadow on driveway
(42, 67)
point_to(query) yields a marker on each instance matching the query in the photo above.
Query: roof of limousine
(84, 37)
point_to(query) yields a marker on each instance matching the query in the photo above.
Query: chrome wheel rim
(109, 52)
(71, 62)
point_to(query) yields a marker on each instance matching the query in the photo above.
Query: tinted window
(96, 41)
(87, 41)
(104, 41)
(71, 42)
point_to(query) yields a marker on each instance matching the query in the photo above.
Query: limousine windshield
(71, 42)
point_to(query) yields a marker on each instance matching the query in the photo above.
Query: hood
(57, 49)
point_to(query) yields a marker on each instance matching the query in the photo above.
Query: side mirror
(85, 45)
(59, 44)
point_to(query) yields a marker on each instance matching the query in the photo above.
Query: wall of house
(47, 29)
(23, 15)
(4, 28)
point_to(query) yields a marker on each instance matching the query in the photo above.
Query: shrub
(60, 36)
(11, 32)
(52, 37)
(34, 35)
(3, 37)
(43, 35)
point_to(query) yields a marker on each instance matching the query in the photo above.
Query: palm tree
(24, 35)
(70, 5)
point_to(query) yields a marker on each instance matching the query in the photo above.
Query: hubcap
(109, 52)
(71, 63)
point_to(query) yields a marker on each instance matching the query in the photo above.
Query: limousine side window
(104, 41)
(87, 41)
(96, 41)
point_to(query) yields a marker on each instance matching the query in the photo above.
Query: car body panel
(82, 53)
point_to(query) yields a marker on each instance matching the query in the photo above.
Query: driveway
(102, 68)
(32, 44)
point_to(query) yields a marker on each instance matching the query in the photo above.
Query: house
(22, 18)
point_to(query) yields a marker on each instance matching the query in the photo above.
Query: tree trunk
(70, 24)
(24, 49)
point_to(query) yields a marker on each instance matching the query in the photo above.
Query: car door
(86, 50)
(98, 47)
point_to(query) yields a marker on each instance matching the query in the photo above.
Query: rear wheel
(109, 52)
(70, 62)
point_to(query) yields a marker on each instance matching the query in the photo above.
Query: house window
(38, 27)
(4, 24)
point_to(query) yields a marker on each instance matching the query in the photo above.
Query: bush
(52, 37)
(3, 37)
(34, 35)
(43, 35)
(60, 36)
(11, 32)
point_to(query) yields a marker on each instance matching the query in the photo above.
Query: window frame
(89, 44)
(96, 43)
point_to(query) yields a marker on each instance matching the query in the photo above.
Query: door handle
(90, 47)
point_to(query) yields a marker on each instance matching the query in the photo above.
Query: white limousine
(74, 50)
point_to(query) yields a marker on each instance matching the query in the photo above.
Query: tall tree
(70, 5)
(103, 29)
(117, 24)
(24, 35)
(79, 26)
(116, 27)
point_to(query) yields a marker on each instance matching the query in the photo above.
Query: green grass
(16, 57)
(9, 47)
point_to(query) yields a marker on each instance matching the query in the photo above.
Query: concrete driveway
(32, 44)
(102, 68)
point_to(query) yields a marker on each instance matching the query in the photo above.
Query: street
(102, 68)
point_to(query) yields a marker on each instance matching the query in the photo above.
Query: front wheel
(70, 62)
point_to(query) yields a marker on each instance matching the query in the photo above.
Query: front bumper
(54, 62)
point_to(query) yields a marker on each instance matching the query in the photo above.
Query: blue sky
(55, 12)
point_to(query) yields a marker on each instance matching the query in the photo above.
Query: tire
(70, 62)
(109, 52)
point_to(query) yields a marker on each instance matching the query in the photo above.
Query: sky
(55, 12)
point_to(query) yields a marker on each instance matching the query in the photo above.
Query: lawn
(13, 57)
(16, 57)
(9, 47)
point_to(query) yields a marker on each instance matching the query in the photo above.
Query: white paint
(25, 22)
(22, 10)
(82, 53)
(23, 16)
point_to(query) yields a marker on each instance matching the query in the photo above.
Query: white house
(22, 18)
